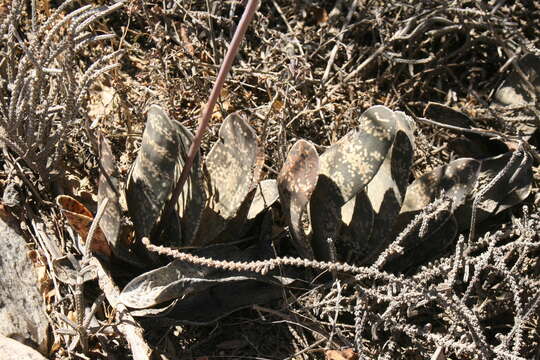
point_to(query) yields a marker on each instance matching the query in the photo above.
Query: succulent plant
(351, 203)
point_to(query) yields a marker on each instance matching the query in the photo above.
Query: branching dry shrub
(42, 91)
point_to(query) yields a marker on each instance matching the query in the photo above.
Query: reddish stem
(232, 51)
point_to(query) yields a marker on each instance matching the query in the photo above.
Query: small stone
(22, 311)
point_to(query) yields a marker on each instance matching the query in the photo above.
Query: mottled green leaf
(418, 249)
(512, 188)
(345, 169)
(386, 191)
(446, 115)
(111, 220)
(456, 180)
(179, 279)
(230, 168)
(266, 194)
(468, 144)
(296, 182)
(154, 174)
(212, 304)
(357, 218)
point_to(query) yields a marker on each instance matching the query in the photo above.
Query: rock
(19, 351)
(22, 310)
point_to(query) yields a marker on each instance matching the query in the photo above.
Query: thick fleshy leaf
(440, 232)
(154, 174)
(296, 182)
(467, 145)
(108, 189)
(214, 303)
(266, 194)
(446, 115)
(514, 90)
(357, 218)
(345, 169)
(386, 191)
(456, 180)
(476, 146)
(179, 279)
(230, 168)
(512, 188)
(80, 219)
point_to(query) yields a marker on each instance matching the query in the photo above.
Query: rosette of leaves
(218, 192)
(486, 187)
(355, 183)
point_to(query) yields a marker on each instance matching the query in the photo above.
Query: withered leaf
(345, 169)
(296, 182)
(65, 271)
(108, 189)
(230, 166)
(346, 354)
(154, 174)
(80, 219)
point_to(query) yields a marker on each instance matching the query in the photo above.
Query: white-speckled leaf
(440, 231)
(357, 218)
(457, 180)
(266, 194)
(179, 279)
(514, 187)
(386, 190)
(296, 182)
(154, 174)
(230, 166)
(111, 222)
(345, 169)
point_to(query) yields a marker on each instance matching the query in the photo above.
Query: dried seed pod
(296, 183)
